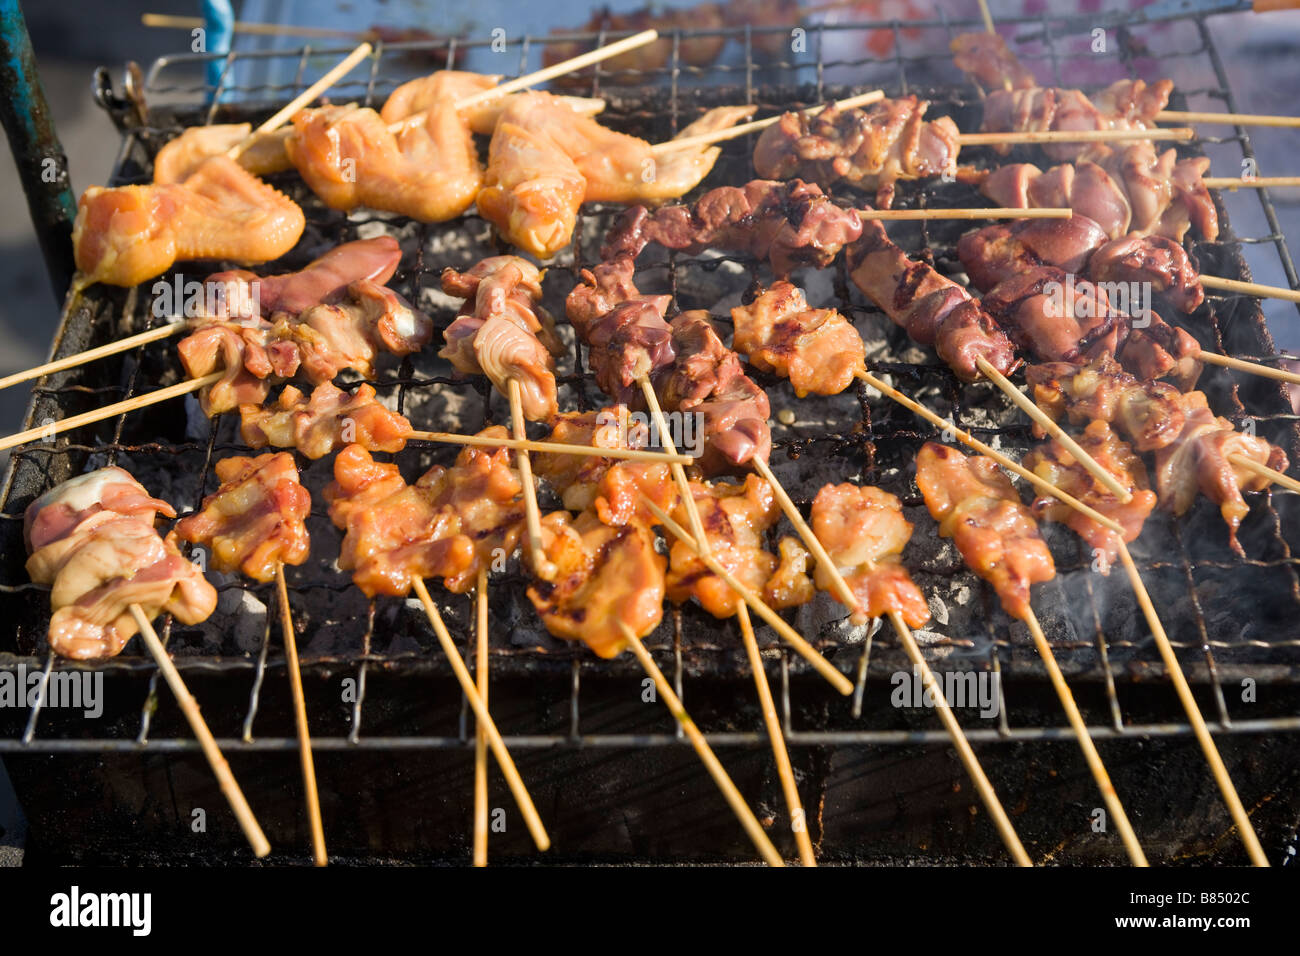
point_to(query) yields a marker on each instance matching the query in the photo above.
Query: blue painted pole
(219, 21)
(42, 164)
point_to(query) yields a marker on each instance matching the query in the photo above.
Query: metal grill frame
(1203, 667)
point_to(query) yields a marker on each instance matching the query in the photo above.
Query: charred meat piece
(818, 350)
(328, 420)
(99, 561)
(790, 224)
(503, 332)
(1200, 459)
(976, 505)
(127, 234)
(1000, 251)
(256, 520)
(864, 532)
(1052, 462)
(871, 148)
(1149, 413)
(932, 309)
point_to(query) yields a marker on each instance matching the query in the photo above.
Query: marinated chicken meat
(870, 148)
(735, 516)
(608, 577)
(1055, 317)
(545, 160)
(1200, 459)
(447, 525)
(998, 252)
(264, 155)
(1148, 413)
(818, 350)
(328, 420)
(976, 505)
(932, 309)
(256, 520)
(578, 477)
(864, 533)
(1053, 463)
(790, 585)
(92, 540)
(127, 234)
(502, 332)
(789, 224)
(1156, 260)
(984, 57)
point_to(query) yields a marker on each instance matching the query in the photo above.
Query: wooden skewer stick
(974, 212)
(1250, 288)
(719, 773)
(480, 737)
(1258, 182)
(1178, 133)
(485, 721)
(798, 820)
(966, 438)
(1225, 119)
(988, 26)
(971, 762)
(804, 649)
(300, 717)
(110, 411)
(1254, 368)
(1090, 755)
(1250, 464)
(90, 355)
(678, 472)
(190, 707)
(1239, 815)
(1026, 405)
(734, 132)
(244, 26)
(552, 448)
(302, 99)
(543, 567)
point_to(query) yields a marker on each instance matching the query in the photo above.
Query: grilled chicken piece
(128, 234)
(578, 477)
(99, 561)
(789, 224)
(1149, 414)
(626, 485)
(449, 524)
(1156, 260)
(1052, 462)
(1056, 318)
(984, 57)
(818, 350)
(933, 309)
(734, 516)
(1083, 186)
(502, 332)
(864, 532)
(440, 88)
(328, 420)
(608, 575)
(256, 520)
(790, 585)
(1002, 250)
(349, 158)
(976, 505)
(1199, 459)
(871, 148)
(241, 352)
(180, 157)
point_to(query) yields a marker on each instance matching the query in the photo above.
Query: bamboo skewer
(90, 355)
(973, 212)
(480, 737)
(678, 472)
(735, 132)
(753, 828)
(1254, 368)
(1176, 133)
(110, 411)
(300, 718)
(1250, 288)
(253, 29)
(987, 15)
(1225, 119)
(1026, 405)
(784, 771)
(1245, 829)
(283, 115)
(190, 708)
(485, 721)
(774, 620)
(1257, 182)
(1090, 755)
(533, 519)
(1286, 481)
(551, 448)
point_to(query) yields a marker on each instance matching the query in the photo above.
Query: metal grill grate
(1198, 584)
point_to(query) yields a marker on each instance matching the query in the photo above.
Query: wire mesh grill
(1228, 617)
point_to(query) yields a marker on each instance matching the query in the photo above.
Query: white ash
(240, 615)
